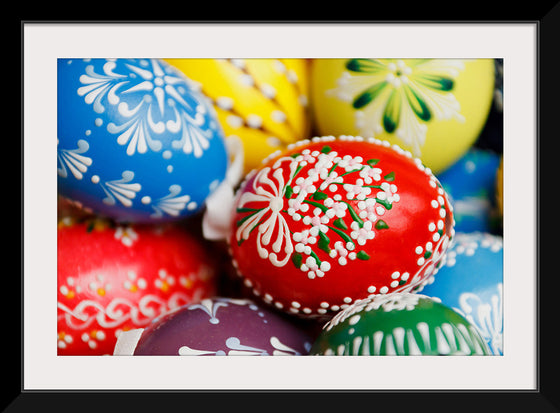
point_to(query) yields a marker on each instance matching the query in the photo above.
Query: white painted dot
(268, 90)
(95, 179)
(234, 121)
(224, 102)
(278, 116)
(432, 227)
(435, 203)
(169, 168)
(395, 275)
(335, 308)
(442, 213)
(146, 200)
(295, 304)
(98, 122)
(88, 132)
(371, 289)
(354, 319)
(436, 237)
(191, 206)
(347, 300)
(384, 290)
(419, 249)
(405, 276)
(394, 284)
(324, 304)
(246, 80)
(254, 121)
(421, 260)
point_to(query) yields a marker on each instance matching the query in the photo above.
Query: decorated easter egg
(218, 326)
(471, 185)
(434, 108)
(136, 142)
(333, 220)
(264, 102)
(471, 282)
(400, 324)
(113, 278)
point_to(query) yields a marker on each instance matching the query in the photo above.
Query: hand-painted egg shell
(113, 278)
(261, 101)
(223, 327)
(135, 142)
(470, 281)
(434, 108)
(330, 221)
(471, 184)
(397, 325)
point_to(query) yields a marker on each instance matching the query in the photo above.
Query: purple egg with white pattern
(218, 327)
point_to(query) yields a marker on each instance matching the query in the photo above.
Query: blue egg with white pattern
(470, 184)
(470, 280)
(137, 141)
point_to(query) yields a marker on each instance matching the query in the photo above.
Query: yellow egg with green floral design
(434, 108)
(264, 102)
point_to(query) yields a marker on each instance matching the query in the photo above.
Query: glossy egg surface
(264, 102)
(222, 326)
(398, 325)
(471, 282)
(333, 220)
(113, 278)
(136, 142)
(434, 108)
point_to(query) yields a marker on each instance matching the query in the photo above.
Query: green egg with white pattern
(399, 324)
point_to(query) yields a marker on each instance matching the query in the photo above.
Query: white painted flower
(313, 269)
(296, 205)
(357, 190)
(337, 209)
(370, 174)
(126, 235)
(304, 186)
(362, 234)
(304, 237)
(268, 217)
(350, 163)
(330, 180)
(317, 222)
(368, 209)
(341, 252)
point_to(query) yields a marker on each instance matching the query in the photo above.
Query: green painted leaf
(326, 149)
(354, 215)
(380, 224)
(365, 66)
(362, 255)
(297, 259)
(289, 192)
(417, 104)
(324, 242)
(435, 82)
(385, 203)
(427, 254)
(392, 112)
(372, 162)
(364, 98)
(320, 196)
(316, 204)
(390, 176)
(339, 222)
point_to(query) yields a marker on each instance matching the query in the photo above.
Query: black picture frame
(546, 398)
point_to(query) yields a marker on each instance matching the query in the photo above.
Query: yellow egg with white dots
(264, 102)
(434, 108)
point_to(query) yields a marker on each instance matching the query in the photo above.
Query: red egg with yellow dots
(333, 220)
(113, 278)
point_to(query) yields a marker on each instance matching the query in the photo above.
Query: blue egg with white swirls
(137, 141)
(470, 280)
(471, 184)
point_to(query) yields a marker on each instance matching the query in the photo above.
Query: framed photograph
(516, 52)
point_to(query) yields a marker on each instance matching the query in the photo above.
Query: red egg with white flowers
(334, 220)
(115, 277)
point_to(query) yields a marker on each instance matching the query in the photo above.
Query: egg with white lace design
(136, 142)
(400, 324)
(335, 219)
(218, 326)
(470, 281)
